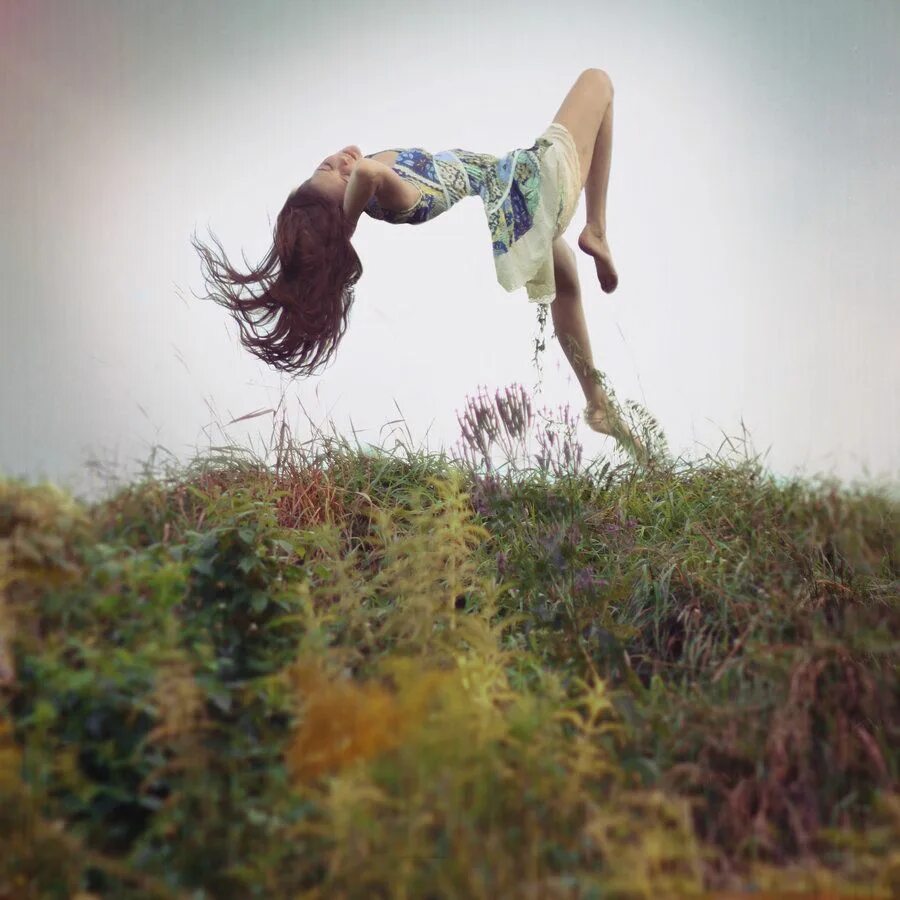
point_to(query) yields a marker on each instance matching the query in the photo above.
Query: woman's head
(333, 173)
(299, 315)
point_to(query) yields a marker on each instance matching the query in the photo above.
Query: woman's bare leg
(587, 112)
(571, 331)
(569, 324)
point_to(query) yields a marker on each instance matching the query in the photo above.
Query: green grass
(370, 674)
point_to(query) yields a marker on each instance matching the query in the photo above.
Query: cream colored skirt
(529, 260)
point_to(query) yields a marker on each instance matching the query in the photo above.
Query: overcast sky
(752, 216)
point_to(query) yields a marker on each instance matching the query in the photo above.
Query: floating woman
(529, 196)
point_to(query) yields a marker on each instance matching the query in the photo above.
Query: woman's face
(333, 173)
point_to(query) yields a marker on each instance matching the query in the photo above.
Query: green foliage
(376, 677)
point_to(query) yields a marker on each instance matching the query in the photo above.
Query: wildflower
(586, 580)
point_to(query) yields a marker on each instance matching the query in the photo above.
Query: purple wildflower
(586, 580)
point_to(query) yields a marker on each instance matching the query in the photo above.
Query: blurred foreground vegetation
(362, 675)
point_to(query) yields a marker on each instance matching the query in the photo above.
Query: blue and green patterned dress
(529, 196)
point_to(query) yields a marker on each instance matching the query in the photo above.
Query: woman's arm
(364, 182)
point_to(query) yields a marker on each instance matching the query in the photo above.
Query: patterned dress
(529, 197)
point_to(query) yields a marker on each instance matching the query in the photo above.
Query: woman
(529, 198)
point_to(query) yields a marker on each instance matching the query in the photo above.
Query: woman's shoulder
(385, 157)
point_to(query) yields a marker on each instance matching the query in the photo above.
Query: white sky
(752, 215)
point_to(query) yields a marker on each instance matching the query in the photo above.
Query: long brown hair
(307, 303)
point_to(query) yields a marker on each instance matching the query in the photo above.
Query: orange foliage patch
(345, 721)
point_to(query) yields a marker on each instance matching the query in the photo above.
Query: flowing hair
(307, 302)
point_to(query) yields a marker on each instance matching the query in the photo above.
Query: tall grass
(337, 673)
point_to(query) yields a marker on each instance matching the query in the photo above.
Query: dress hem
(529, 261)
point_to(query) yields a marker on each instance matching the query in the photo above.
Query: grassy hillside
(353, 674)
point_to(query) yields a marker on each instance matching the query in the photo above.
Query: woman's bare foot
(600, 416)
(593, 242)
